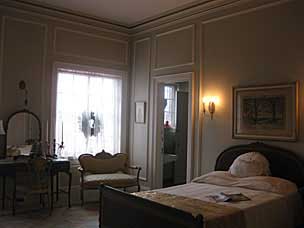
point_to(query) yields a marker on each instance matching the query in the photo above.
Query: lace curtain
(88, 112)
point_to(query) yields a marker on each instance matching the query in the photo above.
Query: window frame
(113, 73)
(174, 99)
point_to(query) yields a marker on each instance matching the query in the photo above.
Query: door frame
(157, 126)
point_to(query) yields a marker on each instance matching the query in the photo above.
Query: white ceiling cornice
(206, 12)
(208, 8)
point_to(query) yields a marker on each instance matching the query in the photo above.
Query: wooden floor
(63, 217)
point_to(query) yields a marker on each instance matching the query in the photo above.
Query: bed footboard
(122, 210)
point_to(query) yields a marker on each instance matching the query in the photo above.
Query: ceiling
(123, 12)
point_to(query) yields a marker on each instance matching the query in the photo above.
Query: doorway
(175, 133)
(171, 142)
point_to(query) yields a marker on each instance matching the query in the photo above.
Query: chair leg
(42, 200)
(49, 203)
(69, 190)
(14, 196)
(3, 192)
(82, 196)
(138, 187)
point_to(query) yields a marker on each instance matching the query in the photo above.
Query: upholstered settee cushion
(95, 165)
(117, 180)
(250, 164)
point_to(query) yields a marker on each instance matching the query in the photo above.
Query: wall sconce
(211, 102)
(22, 86)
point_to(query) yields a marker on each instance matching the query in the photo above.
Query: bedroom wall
(32, 42)
(239, 47)
(264, 47)
(234, 46)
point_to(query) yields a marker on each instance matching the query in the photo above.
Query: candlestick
(62, 132)
(47, 131)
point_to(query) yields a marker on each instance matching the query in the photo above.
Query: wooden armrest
(138, 168)
(134, 167)
(80, 169)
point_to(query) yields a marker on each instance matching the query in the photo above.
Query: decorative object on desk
(22, 86)
(140, 112)
(57, 149)
(54, 154)
(266, 112)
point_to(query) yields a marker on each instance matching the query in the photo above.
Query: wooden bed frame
(122, 210)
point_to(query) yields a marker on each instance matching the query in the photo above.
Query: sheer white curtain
(88, 112)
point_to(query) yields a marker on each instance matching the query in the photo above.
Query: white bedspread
(264, 210)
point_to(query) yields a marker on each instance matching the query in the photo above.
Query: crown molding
(55, 13)
(205, 12)
(198, 10)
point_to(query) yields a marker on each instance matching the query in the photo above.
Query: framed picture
(266, 112)
(140, 112)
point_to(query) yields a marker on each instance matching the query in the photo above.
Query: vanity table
(10, 168)
(23, 129)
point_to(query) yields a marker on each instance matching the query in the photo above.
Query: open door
(172, 130)
(173, 133)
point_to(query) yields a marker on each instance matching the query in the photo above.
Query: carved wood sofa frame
(104, 155)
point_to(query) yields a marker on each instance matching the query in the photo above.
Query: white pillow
(249, 165)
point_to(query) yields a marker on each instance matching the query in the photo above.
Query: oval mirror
(23, 133)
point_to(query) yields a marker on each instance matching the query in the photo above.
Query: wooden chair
(39, 174)
(104, 168)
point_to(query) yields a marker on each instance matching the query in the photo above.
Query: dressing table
(24, 128)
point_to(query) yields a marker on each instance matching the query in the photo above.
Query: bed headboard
(283, 163)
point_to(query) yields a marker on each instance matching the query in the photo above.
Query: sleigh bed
(185, 206)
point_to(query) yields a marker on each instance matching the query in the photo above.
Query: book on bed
(225, 197)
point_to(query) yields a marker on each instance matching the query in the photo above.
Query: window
(170, 108)
(88, 112)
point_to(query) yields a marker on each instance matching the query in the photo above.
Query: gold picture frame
(268, 112)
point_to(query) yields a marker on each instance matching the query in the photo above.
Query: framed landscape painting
(266, 112)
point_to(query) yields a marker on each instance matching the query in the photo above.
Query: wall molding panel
(103, 45)
(161, 59)
(140, 92)
(43, 51)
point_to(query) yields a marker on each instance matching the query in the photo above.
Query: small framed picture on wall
(140, 112)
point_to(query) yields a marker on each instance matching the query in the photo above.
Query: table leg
(3, 192)
(57, 186)
(69, 190)
(14, 195)
(100, 206)
(52, 192)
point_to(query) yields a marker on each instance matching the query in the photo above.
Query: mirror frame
(11, 116)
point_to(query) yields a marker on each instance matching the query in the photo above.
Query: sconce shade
(211, 109)
(2, 132)
(211, 102)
